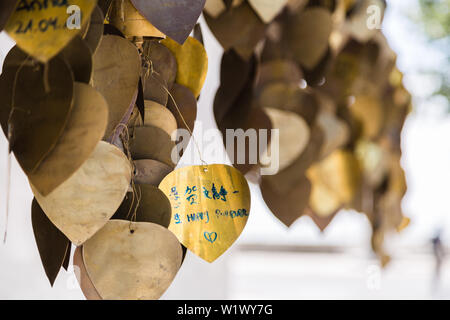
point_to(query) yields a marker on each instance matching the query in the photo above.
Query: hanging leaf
(41, 31)
(95, 32)
(290, 205)
(151, 203)
(43, 97)
(160, 117)
(84, 129)
(185, 110)
(150, 171)
(118, 251)
(117, 56)
(210, 207)
(174, 19)
(85, 202)
(130, 22)
(85, 282)
(267, 10)
(192, 62)
(52, 244)
(7, 8)
(238, 28)
(313, 45)
(161, 61)
(293, 135)
(78, 56)
(159, 149)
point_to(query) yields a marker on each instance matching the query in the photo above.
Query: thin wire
(152, 72)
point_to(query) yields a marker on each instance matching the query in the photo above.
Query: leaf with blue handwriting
(40, 28)
(210, 207)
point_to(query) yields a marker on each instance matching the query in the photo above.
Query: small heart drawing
(210, 236)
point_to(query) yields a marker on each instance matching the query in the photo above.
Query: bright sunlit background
(270, 261)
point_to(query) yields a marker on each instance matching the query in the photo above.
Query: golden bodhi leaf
(313, 26)
(368, 109)
(159, 116)
(84, 129)
(94, 34)
(267, 10)
(52, 244)
(290, 205)
(130, 22)
(153, 206)
(117, 69)
(210, 207)
(132, 261)
(214, 8)
(85, 282)
(40, 27)
(162, 60)
(7, 8)
(293, 135)
(152, 143)
(78, 56)
(42, 104)
(89, 198)
(192, 63)
(335, 181)
(150, 172)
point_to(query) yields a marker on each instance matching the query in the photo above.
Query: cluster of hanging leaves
(320, 74)
(89, 114)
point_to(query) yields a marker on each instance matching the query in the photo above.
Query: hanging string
(151, 72)
(136, 192)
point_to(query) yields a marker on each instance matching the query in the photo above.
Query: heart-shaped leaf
(313, 45)
(85, 128)
(161, 60)
(176, 19)
(158, 116)
(52, 244)
(293, 135)
(128, 20)
(94, 34)
(210, 207)
(147, 204)
(192, 62)
(7, 8)
(43, 99)
(117, 69)
(89, 198)
(78, 56)
(150, 171)
(152, 143)
(267, 10)
(85, 282)
(290, 205)
(136, 261)
(40, 27)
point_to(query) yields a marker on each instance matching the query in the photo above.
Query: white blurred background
(270, 261)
